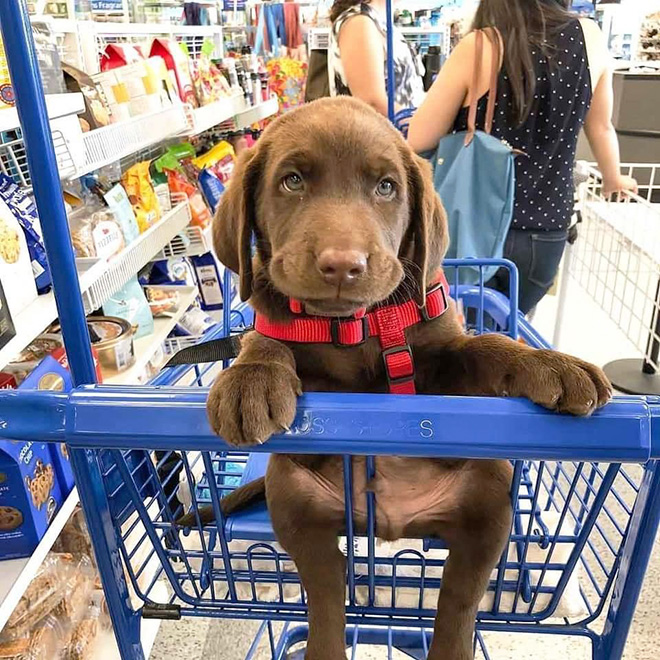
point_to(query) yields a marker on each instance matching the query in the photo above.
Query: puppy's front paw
(560, 382)
(250, 402)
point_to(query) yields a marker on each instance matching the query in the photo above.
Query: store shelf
(100, 280)
(249, 116)
(104, 278)
(191, 242)
(59, 105)
(208, 116)
(146, 347)
(16, 574)
(112, 143)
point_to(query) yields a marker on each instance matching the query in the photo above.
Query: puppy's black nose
(341, 266)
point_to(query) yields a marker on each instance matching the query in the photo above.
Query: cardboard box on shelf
(30, 495)
(16, 277)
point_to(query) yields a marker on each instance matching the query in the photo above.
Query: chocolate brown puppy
(345, 219)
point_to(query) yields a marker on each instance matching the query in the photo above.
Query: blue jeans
(537, 254)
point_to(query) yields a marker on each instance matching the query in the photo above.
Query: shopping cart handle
(363, 424)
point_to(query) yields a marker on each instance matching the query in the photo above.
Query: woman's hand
(619, 184)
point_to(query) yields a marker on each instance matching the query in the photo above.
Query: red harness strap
(387, 322)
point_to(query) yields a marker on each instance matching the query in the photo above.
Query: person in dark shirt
(555, 78)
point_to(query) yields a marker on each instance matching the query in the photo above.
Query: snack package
(163, 301)
(220, 160)
(95, 232)
(177, 63)
(97, 109)
(208, 281)
(137, 184)
(201, 216)
(143, 90)
(83, 636)
(119, 204)
(51, 585)
(52, 373)
(118, 55)
(131, 304)
(193, 323)
(212, 188)
(115, 93)
(176, 271)
(7, 330)
(25, 211)
(82, 240)
(74, 539)
(15, 263)
(160, 76)
(162, 190)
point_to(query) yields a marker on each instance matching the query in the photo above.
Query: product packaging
(95, 232)
(212, 188)
(162, 190)
(131, 304)
(25, 211)
(29, 496)
(177, 181)
(119, 55)
(194, 323)
(115, 93)
(137, 184)
(176, 271)
(97, 108)
(15, 263)
(220, 160)
(7, 330)
(112, 337)
(118, 202)
(208, 280)
(163, 301)
(177, 63)
(52, 373)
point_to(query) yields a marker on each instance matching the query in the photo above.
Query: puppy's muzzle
(341, 267)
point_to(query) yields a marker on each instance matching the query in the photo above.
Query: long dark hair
(340, 6)
(524, 24)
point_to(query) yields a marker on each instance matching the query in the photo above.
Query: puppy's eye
(386, 188)
(293, 182)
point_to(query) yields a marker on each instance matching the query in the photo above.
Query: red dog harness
(388, 323)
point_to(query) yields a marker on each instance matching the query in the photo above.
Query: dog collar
(387, 322)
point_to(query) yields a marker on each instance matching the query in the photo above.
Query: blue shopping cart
(586, 493)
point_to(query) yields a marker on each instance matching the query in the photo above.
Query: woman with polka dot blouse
(555, 77)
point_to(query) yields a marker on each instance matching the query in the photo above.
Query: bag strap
(476, 75)
(492, 90)
(474, 88)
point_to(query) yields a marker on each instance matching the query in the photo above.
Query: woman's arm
(362, 57)
(435, 117)
(598, 125)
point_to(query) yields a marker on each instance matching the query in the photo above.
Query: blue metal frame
(174, 418)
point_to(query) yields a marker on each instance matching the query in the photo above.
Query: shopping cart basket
(581, 535)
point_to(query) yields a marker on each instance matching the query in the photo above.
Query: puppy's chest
(334, 369)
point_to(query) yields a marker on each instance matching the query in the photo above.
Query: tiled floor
(587, 333)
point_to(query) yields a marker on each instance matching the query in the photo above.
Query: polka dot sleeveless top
(548, 137)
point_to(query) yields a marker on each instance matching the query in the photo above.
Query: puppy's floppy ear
(427, 237)
(235, 218)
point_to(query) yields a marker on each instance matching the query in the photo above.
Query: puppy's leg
(308, 530)
(256, 397)
(493, 365)
(476, 533)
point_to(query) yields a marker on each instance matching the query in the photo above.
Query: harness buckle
(424, 310)
(393, 381)
(335, 327)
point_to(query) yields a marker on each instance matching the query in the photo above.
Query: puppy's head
(342, 210)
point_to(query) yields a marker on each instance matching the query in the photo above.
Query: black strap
(215, 350)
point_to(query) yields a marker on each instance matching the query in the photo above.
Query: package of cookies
(30, 495)
(53, 584)
(15, 263)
